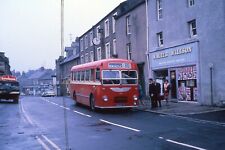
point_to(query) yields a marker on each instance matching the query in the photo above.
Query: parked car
(48, 93)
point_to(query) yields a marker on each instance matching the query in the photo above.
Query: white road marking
(82, 113)
(38, 139)
(42, 143)
(183, 144)
(26, 116)
(118, 125)
(68, 108)
(52, 143)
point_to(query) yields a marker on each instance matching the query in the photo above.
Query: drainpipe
(147, 42)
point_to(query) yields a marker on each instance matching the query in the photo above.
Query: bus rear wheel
(92, 103)
(75, 98)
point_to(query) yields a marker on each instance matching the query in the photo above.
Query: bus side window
(92, 74)
(87, 75)
(97, 76)
(78, 76)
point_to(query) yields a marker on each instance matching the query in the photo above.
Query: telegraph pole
(62, 28)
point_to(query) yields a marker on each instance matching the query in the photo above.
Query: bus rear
(9, 88)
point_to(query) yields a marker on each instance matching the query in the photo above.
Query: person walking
(166, 91)
(153, 93)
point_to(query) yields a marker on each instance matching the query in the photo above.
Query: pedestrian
(152, 93)
(158, 90)
(166, 91)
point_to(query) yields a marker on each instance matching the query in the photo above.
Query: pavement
(179, 108)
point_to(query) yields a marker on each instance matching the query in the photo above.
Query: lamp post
(211, 82)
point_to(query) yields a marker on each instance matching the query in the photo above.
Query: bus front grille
(120, 99)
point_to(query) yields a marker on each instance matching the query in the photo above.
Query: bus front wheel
(92, 103)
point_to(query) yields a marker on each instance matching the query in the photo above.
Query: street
(56, 123)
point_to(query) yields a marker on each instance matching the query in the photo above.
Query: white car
(48, 93)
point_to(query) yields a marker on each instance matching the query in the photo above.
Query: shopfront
(178, 64)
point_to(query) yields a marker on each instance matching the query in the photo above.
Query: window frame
(192, 29)
(114, 22)
(159, 9)
(107, 50)
(81, 44)
(128, 25)
(106, 25)
(99, 53)
(114, 47)
(191, 3)
(160, 39)
(129, 51)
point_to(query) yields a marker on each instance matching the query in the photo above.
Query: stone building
(131, 36)
(4, 64)
(186, 46)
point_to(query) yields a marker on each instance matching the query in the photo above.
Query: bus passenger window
(87, 75)
(82, 75)
(92, 74)
(97, 76)
(78, 76)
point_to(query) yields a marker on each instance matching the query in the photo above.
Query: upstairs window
(107, 50)
(107, 28)
(159, 9)
(86, 58)
(99, 53)
(91, 56)
(160, 39)
(91, 38)
(191, 3)
(192, 28)
(128, 25)
(86, 42)
(114, 23)
(81, 44)
(98, 32)
(129, 53)
(114, 47)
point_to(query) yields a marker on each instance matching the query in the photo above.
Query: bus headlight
(105, 98)
(135, 97)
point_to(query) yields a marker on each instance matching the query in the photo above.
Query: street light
(211, 82)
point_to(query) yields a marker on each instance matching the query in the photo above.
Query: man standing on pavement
(153, 93)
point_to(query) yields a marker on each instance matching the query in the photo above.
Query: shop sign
(173, 53)
(175, 56)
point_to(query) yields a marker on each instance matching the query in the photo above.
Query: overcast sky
(30, 29)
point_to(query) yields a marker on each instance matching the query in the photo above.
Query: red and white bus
(107, 83)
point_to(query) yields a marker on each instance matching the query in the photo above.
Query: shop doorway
(141, 76)
(160, 76)
(173, 84)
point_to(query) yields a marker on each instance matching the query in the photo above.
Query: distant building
(37, 82)
(4, 64)
(64, 65)
(186, 46)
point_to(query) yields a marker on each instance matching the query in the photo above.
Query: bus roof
(95, 64)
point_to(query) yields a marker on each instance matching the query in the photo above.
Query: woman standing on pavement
(166, 90)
